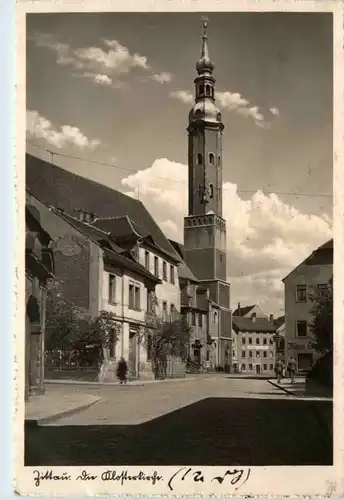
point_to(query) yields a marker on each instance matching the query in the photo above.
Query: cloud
(38, 127)
(231, 101)
(162, 78)
(266, 238)
(183, 95)
(274, 111)
(105, 65)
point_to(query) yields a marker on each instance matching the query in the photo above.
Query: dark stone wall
(201, 262)
(226, 323)
(224, 295)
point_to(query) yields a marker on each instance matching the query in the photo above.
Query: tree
(165, 338)
(71, 329)
(321, 325)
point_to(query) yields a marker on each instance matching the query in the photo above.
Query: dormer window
(211, 158)
(199, 159)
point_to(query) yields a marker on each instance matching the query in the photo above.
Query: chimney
(253, 317)
(271, 318)
(239, 309)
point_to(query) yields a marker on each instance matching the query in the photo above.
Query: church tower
(204, 227)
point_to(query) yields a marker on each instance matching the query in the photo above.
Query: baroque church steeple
(204, 228)
(205, 133)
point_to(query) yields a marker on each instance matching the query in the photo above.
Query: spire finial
(205, 26)
(205, 64)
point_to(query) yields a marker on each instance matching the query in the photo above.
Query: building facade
(313, 273)
(254, 341)
(39, 268)
(204, 226)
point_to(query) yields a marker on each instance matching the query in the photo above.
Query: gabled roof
(279, 321)
(260, 325)
(184, 271)
(65, 190)
(243, 310)
(112, 251)
(120, 228)
(322, 256)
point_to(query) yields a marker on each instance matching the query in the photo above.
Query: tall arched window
(211, 191)
(201, 90)
(199, 159)
(207, 90)
(211, 158)
(215, 317)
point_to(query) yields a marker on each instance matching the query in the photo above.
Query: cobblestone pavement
(205, 421)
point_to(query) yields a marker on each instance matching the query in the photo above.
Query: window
(131, 296)
(265, 341)
(193, 319)
(233, 354)
(271, 340)
(200, 319)
(207, 90)
(250, 367)
(211, 191)
(257, 341)
(250, 354)
(250, 340)
(265, 367)
(215, 317)
(164, 271)
(199, 159)
(173, 312)
(134, 296)
(201, 89)
(243, 367)
(257, 354)
(271, 367)
(211, 158)
(301, 293)
(112, 289)
(172, 274)
(150, 301)
(219, 160)
(164, 311)
(156, 266)
(243, 340)
(301, 328)
(147, 260)
(137, 298)
(243, 354)
(265, 354)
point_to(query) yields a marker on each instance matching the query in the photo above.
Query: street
(214, 420)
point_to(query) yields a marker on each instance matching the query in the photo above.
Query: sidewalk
(134, 383)
(53, 405)
(298, 388)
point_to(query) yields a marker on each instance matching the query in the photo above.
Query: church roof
(243, 310)
(184, 271)
(65, 190)
(260, 325)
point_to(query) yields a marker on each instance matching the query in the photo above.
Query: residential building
(313, 273)
(98, 275)
(280, 339)
(39, 268)
(254, 336)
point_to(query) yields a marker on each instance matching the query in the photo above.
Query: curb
(279, 386)
(35, 422)
(138, 383)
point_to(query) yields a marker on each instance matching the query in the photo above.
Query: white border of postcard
(257, 481)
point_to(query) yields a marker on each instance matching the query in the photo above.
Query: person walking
(292, 369)
(279, 370)
(122, 370)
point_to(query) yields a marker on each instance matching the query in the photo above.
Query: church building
(204, 249)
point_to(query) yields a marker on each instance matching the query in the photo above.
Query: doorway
(257, 369)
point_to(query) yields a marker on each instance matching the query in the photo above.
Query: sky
(117, 88)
